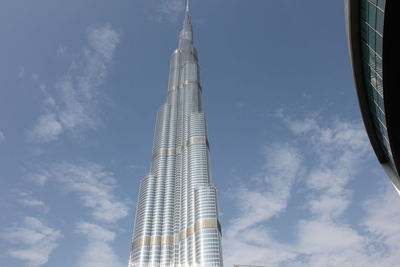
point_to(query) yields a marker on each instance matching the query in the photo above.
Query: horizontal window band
(164, 151)
(170, 240)
(176, 87)
(198, 226)
(173, 88)
(179, 149)
(191, 141)
(185, 51)
(182, 51)
(191, 81)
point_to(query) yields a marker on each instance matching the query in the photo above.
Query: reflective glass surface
(372, 25)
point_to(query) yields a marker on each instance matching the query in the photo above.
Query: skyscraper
(176, 220)
(374, 50)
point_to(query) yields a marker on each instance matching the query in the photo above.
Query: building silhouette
(176, 220)
(374, 51)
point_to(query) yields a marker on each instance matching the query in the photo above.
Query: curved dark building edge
(391, 88)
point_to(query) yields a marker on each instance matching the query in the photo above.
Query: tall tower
(177, 216)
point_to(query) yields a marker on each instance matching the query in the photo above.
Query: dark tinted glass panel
(380, 102)
(377, 111)
(371, 61)
(379, 21)
(379, 84)
(381, 4)
(379, 66)
(372, 77)
(364, 31)
(367, 73)
(373, 95)
(371, 15)
(379, 44)
(364, 10)
(371, 38)
(365, 55)
(381, 105)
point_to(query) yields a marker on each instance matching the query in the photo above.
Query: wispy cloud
(47, 128)
(382, 222)
(330, 156)
(172, 8)
(274, 183)
(95, 189)
(93, 186)
(78, 90)
(27, 199)
(169, 10)
(35, 239)
(246, 236)
(39, 178)
(98, 252)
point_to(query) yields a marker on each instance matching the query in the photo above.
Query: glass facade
(176, 220)
(372, 22)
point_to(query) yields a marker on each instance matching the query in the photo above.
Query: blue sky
(81, 81)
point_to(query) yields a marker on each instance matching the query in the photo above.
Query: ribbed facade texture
(176, 220)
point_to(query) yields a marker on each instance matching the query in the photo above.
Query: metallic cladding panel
(177, 215)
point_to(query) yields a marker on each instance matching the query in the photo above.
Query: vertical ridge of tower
(176, 220)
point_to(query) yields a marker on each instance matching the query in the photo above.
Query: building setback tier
(176, 220)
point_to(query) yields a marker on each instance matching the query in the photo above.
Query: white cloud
(47, 128)
(282, 164)
(331, 243)
(172, 7)
(297, 126)
(36, 240)
(98, 252)
(25, 198)
(319, 236)
(382, 222)
(104, 41)
(80, 88)
(332, 154)
(94, 187)
(78, 91)
(170, 10)
(30, 202)
(246, 235)
(39, 178)
(340, 149)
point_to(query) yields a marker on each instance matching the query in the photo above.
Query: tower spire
(176, 220)
(186, 21)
